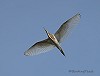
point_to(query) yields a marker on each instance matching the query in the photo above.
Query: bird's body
(53, 40)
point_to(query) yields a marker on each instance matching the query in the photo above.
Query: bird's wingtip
(25, 54)
(78, 14)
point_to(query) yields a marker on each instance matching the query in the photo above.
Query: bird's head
(48, 34)
(46, 31)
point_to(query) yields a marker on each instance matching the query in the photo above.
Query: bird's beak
(46, 31)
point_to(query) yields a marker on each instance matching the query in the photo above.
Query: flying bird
(53, 40)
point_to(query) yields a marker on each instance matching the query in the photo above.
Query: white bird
(53, 40)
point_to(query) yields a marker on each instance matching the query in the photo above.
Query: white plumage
(53, 40)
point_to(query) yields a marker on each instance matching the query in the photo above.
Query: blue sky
(21, 25)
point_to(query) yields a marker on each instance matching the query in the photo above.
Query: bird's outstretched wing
(39, 47)
(66, 26)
